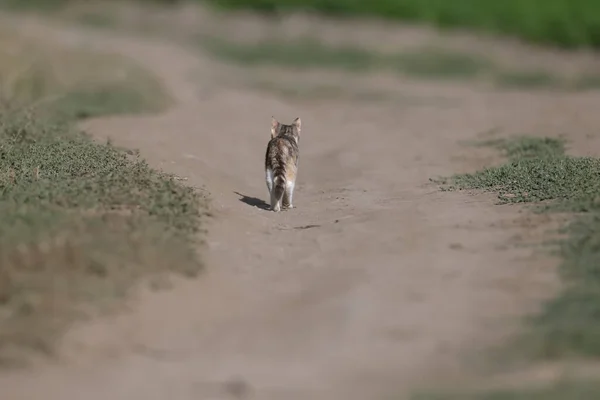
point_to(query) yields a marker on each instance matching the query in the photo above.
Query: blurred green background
(564, 23)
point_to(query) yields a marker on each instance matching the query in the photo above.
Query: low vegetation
(311, 53)
(81, 221)
(539, 172)
(566, 23)
(532, 79)
(423, 63)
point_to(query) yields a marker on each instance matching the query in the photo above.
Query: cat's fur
(281, 163)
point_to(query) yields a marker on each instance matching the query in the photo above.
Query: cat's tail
(278, 189)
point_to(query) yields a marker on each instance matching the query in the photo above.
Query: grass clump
(81, 221)
(538, 171)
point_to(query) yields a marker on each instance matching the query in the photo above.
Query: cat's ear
(274, 127)
(298, 124)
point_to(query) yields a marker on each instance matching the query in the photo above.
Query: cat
(281, 163)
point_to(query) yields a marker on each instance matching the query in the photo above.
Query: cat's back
(281, 150)
(284, 145)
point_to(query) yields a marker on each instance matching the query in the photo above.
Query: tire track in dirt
(376, 283)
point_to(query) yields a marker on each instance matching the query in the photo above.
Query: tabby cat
(281, 163)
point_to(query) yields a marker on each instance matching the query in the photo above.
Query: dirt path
(375, 284)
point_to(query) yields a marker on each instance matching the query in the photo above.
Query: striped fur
(281, 163)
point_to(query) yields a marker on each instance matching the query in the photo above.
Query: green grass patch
(311, 53)
(423, 63)
(433, 62)
(302, 53)
(111, 99)
(82, 222)
(331, 91)
(570, 390)
(532, 79)
(41, 5)
(565, 23)
(539, 172)
(96, 19)
(587, 82)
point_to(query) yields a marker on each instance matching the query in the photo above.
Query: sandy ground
(375, 284)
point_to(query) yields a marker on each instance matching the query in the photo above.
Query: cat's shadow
(253, 201)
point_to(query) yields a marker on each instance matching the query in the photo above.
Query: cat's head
(279, 129)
